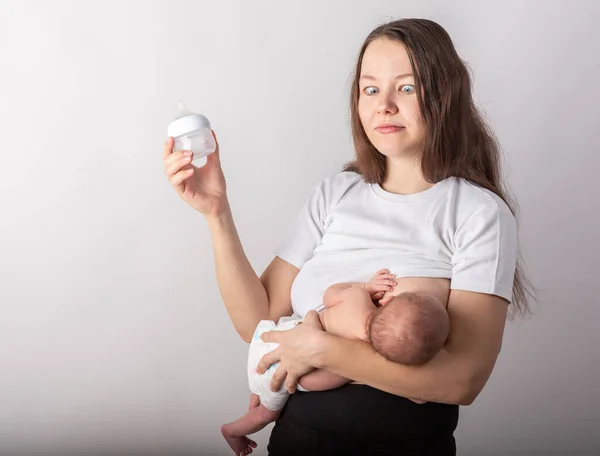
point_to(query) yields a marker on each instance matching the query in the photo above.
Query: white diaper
(260, 384)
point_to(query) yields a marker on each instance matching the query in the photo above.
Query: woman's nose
(386, 106)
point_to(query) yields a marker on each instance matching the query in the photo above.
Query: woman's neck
(404, 177)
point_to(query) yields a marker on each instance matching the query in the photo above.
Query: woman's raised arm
(247, 298)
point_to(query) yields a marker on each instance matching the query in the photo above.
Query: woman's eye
(370, 90)
(407, 88)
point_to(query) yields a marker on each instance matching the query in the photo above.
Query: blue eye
(367, 90)
(410, 87)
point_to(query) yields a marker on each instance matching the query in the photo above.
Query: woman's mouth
(387, 129)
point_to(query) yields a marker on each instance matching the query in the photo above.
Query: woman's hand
(297, 350)
(202, 188)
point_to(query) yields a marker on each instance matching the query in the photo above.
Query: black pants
(360, 420)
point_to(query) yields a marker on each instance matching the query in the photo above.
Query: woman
(422, 198)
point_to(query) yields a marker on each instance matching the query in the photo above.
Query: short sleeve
(485, 255)
(306, 232)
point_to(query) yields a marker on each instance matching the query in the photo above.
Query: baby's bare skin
(439, 288)
(348, 308)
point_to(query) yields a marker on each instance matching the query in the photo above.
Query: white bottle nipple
(183, 111)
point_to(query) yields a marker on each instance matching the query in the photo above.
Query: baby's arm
(337, 293)
(376, 287)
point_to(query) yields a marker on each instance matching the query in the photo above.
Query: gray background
(113, 337)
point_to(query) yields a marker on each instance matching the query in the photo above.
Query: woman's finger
(178, 162)
(216, 156)
(270, 358)
(182, 175)
(278, 378)
(291, 382)
(271, 336)
(173, 157)
(312, 318)
(167, 148)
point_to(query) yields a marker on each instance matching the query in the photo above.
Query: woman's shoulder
(335, 186)
(479, 209)
(472, 198)
(342, 179)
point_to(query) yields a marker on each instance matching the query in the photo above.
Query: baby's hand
(386, 300)
(382, 282)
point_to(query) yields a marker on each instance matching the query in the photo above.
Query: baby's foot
(241, 445)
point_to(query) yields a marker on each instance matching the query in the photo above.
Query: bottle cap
(187, 122)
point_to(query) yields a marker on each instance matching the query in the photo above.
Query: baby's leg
(256, 419)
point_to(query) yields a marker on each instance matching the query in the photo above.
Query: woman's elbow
(247, 329)
(460, 394)
(245, 333)
(466, 397)
(470, 387)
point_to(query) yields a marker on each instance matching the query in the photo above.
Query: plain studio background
(113, 336)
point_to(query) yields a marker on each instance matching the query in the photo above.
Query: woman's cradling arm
(455, 376)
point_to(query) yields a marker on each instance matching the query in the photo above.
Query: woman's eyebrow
(373, 78)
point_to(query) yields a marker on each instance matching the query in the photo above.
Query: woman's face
(388, 97)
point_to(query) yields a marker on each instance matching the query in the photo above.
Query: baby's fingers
(384, 301)
(384, 284)
(377, 296)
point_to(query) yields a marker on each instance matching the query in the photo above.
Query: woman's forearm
(242, 291)
(443, 379)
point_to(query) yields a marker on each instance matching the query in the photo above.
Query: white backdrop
(113, 336)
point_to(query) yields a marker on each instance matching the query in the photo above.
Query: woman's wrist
(328, 345)
(222, 219)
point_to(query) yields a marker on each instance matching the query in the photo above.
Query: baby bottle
(191, 131)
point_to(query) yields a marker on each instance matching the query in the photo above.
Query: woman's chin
(397, 153)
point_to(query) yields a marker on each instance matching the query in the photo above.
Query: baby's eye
(408, 88)
(370, 90)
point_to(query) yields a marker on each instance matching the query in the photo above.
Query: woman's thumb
(312, 315)
(215, 156)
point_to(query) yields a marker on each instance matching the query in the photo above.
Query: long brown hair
(458, 142)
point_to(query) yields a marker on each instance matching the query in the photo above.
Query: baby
(409, 326)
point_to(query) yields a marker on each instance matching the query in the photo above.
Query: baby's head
(410, 329)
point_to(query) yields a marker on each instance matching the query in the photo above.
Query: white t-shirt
(347, 230)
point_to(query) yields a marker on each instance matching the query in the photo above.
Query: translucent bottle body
(201, 142)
